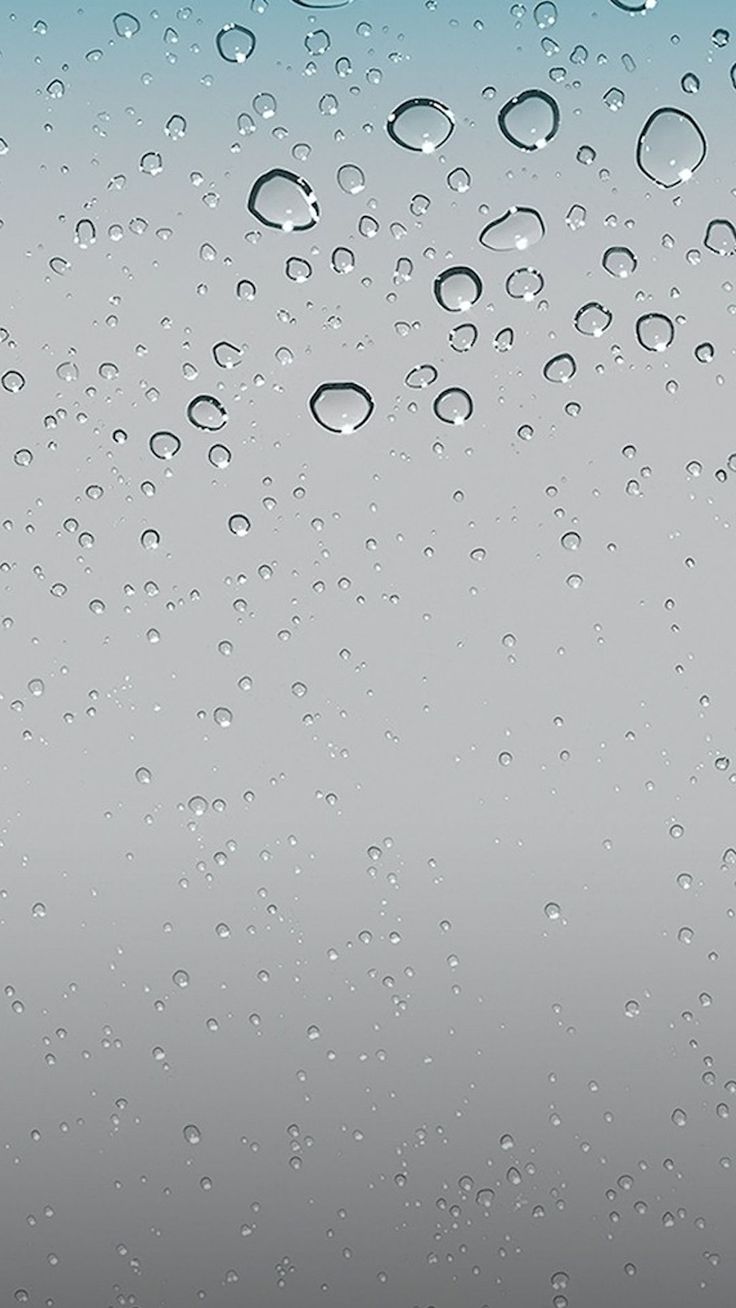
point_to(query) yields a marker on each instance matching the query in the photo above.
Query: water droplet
(421, 125)
(227, 355)
(239, 524)
(655, 332)
(164, 444)
(561, 368)
(207, 413)
(284, 201)
(322, 4)
(552, 911)
(593, 319)
(634, 6)
(619, 261)
(219, 456)
(126, 25)
(235, 43)
(679, 1117)
(341, 407)
(516, 229)
(421, 376)
(453, 405)
(457, 289)
(463, 337)
(720, 236)
(192, 1135)
(530, 120)
(181, 978)
(13, 381)
(524, 283)
(671, 147)
(351, 179)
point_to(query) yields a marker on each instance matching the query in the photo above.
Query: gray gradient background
(377, 807)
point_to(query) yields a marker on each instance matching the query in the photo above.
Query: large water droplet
(282, 200)
(593, 319)
(341, 407)
(720, 236)
(235, 43)
(530, 120)
(453, 405)
(560, 369)
(421, 125)
(655, 332)
(670, 147)
(456, 289)
(619, 261)
(524, 284)
(164, 444)
(207, 413)
(634, 6)
(516, 229)
(126, 25)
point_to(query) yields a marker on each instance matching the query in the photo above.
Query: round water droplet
(524, 283)
(421, 125)
(181, 978)
(593, 319)
(126, 25)
(164, 444)
(13, 381)
(670, 147)
(239, 524)
(561, 368)
(341, 407)
(516, 229)
(720, 236)
(207, 413)
(235, 43)
(283, 200)
(227, 355)
(453, 405)
(530, 120)
(655, 332)
(619, 261)
(634, 6)
(457, 289)
(192, 1135)
(219, 456)
(351, 179)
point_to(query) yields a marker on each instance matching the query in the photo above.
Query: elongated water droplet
(516, 229)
